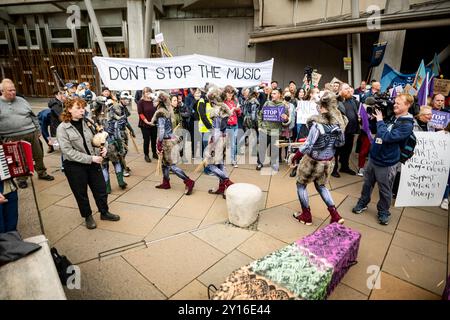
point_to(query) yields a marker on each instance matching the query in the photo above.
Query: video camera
(308, 72)
(381, 102)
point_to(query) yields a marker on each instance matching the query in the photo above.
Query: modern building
(36, 34)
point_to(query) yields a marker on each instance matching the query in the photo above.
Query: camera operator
(384, 156)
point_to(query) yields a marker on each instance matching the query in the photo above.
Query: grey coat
(71, 143)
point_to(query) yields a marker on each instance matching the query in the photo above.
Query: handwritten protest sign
(440, 119)
(180, 72)
(306, 109)
(441, 86)
(424, 176)
(315, 79)
(272, 114)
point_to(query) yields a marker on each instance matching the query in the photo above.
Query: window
(61, 33)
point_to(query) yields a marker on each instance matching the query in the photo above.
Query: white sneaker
(126, 174)
(235, 165)
(444, 204)
(360, 172)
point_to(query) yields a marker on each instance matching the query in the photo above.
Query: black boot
(109, 216)
(90, 222)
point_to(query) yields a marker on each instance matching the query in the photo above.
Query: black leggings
(149, 135)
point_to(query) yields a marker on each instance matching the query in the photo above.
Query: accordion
(16, 160)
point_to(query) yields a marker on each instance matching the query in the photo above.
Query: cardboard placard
(441, 86)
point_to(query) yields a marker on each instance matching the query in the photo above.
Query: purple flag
(431, 86)
(365, 121)
(423, 94)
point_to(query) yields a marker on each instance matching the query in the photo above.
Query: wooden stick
(158, 171)
(201, 166)
(132, 139)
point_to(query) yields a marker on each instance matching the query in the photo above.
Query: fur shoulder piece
(160, 112)
(220, 109)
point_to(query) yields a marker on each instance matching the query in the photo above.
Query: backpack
(407, 149)
(62, 264)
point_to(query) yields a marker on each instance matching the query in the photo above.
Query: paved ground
(171, 246)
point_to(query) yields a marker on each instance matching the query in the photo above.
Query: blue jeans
(205, 138)
(9, 211)
(232, 132)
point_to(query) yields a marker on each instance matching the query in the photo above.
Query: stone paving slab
(193, 291)
(393, 288)
(372, 251)
(135, 219)
(175, 262)
(217, 274)
(223, 237)
(344, 292)
(420, 270)
(260, 245)
(82, 244)
(423, 229)
(370, 216)
(113, 278)
(279, 223)
(171, 225)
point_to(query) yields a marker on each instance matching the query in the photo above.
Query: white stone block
(243, 201)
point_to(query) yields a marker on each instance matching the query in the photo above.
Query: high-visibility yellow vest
(201, 126)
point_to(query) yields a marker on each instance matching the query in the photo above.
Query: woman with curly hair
(82, 161)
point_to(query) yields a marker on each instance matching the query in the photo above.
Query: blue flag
(433, 67)
(391, 77)
(420, 76)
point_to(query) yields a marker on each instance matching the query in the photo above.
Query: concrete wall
(291, 57)
(285, 12)
(228, 39)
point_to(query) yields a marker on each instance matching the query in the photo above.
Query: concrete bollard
(243, 201)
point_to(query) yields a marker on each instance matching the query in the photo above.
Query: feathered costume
(114, 123)
(168, 143)
(215, 151)
(316, 164)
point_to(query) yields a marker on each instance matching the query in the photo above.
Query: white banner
(180, 72)
(424, 176)
(306, 109)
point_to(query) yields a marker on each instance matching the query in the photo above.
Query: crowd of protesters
(216, 123)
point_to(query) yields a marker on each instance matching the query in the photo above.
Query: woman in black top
(82, 165)
(146, 110)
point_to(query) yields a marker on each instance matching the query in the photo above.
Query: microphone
(370, 101)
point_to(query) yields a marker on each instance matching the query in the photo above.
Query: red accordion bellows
(16, 160)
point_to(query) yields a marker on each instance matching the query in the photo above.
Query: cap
(69, 85)
(125, 95)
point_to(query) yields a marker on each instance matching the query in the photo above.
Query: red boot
(189, 186)
(227, 183)
(305, 217)
(164, 185)
(219, 190)
(335, 217)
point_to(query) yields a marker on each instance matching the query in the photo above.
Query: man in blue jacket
(384, 156)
